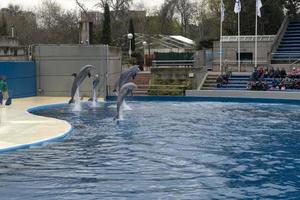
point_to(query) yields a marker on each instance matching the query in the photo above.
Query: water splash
(77, 106)
(94, 102)
(126, 106)
(121, 116)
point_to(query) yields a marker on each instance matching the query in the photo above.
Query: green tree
(131, 30)
(271, 17)
(292, 6)
(269, 23)
(106, 31)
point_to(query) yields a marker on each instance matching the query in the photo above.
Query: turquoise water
(163, 150)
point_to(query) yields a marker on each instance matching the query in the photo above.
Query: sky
(70, 4)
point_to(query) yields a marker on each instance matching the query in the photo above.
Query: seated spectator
(282, 73)
(271, 72)
(277, 73)
(297, 84)
(274, 84)
(289, 83)
(258, 85)
(255, 75)
(266, 75)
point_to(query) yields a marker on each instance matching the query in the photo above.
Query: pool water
(166, 150)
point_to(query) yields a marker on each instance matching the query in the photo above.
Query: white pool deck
(20, 129)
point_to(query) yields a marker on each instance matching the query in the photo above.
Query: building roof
(183, 39)
(164, 41)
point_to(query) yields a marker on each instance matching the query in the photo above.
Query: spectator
(277, 73)
(271, 72)
(282, 73)
(4, 91)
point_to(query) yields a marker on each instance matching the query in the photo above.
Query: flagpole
(239, 44)
(255, 64)
(221, 33)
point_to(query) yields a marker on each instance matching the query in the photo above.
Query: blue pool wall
(21, 77)
(211, 99)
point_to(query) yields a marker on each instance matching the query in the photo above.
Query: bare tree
(49, 13)
(115, 5)
(167, 14)
(57, 25)
(186, 10)
(118, 7)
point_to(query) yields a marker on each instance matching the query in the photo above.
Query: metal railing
(296, 62)
(248, 38)
(288, 58)
(248, 62)
(157, 63)
(280, 34)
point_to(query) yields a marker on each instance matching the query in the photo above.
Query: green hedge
(172, 87)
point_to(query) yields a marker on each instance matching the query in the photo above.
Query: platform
(20, 129)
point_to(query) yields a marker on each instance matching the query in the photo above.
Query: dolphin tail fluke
(71, 101)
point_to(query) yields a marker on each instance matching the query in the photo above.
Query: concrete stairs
(142, 80)
(288, 50)
(235, 82)
(210, 82)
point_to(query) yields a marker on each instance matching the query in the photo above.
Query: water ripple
(163, 150)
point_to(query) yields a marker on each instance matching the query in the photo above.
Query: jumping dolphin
(96, 82)
(126, 76)
(79, 78)
(124, 91)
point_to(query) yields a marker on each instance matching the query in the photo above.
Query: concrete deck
(20, 129)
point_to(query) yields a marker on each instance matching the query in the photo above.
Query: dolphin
(126, 76)
(124, 91)
(79, 78)
(96, 82)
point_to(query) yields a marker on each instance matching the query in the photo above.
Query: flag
(237, 6)
(222, 11)
(258, 6)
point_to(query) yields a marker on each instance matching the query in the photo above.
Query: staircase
(142, 81)
(235, 82)
(210, 82)
(288, 50)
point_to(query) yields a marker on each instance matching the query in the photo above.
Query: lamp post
(129, 36)
(12, 31)
(144, 45)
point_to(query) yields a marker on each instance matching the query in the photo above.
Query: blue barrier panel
(21, 77)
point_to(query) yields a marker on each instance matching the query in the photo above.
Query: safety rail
(296, 62)
(157, 63)
(248, 38)
(235, 62)
(289, 58)
(280, 34)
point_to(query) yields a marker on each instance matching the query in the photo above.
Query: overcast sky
(70, 4)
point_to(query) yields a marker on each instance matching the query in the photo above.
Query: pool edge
(42, 142)
(209, 98)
